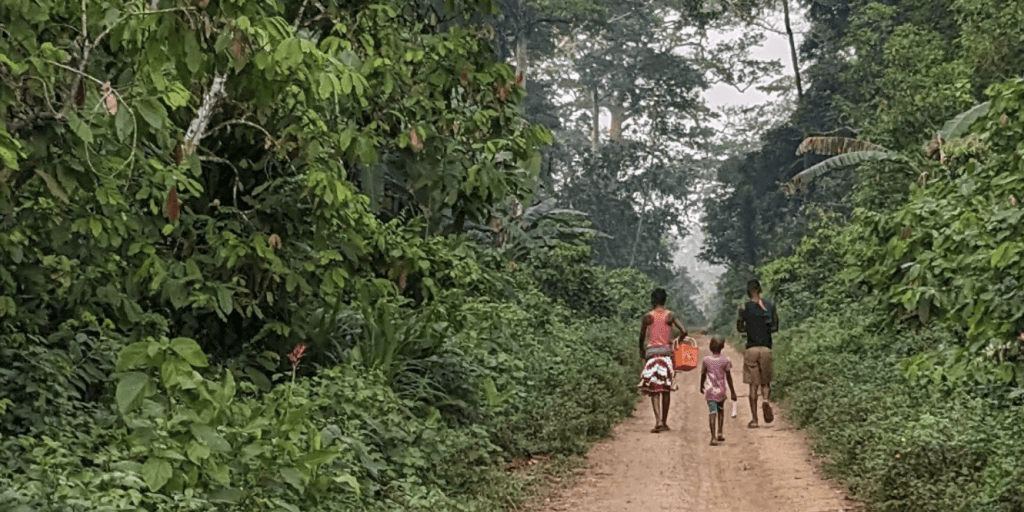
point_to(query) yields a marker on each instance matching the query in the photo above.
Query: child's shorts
(716, 407)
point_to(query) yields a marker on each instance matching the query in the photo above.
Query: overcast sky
(775, 47)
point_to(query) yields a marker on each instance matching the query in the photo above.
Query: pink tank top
(660, 331)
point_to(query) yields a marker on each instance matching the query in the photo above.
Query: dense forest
(884, 215)
(321, 255)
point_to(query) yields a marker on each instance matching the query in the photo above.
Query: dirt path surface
(769, 469)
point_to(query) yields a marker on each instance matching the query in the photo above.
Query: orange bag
(685, 357)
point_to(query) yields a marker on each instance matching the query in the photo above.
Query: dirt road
(769, 469)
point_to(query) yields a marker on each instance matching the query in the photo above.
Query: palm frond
(836, 146)
(956, 127)
(839, 162)
(539, 210)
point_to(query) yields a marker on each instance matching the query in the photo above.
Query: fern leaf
(839, 162)
(835, 146)
(958, 126)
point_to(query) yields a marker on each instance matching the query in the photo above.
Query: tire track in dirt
(769, 469)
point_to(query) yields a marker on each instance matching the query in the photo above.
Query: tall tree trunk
(595, 142)
(522, 59)
(792, 52)
(639, 226)
(618, 118)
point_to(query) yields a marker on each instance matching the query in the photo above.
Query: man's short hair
(659, 296)
(753, 286)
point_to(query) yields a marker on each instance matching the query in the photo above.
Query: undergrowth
(898, 446)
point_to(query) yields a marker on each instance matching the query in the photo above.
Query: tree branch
(562, 21)
(298, 17)
(87, 47)
(225, 124)
(197, 127)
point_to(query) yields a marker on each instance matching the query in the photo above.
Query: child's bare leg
(666, 400)
(711, 425)
(721, 423)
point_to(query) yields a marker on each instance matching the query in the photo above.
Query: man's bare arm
(740, 326)
(775, 319)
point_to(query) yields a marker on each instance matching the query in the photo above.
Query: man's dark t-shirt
(759, 324)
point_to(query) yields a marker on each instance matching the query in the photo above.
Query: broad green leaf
(175, 372)
(53, 185)
(318, 457)
(959, 125)
(346, 83)
(10, 149)
(133, 355)
(190, 351)
(349, 480)
(156, 472)
(224, 299)
(193, 55)
(213, 440)
(294, 478)
(129, 390)
(226, 495)
(325, 86)
(258, 378)
(16, 68)
(81, 129)
(123, 124)
(197, 452)
(170, 455)
(998, 255)
(153, 112)
(220, 473)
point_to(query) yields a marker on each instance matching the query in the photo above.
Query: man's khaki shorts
(757, 366)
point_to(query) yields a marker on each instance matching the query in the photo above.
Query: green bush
(897, 445)
(424, 406)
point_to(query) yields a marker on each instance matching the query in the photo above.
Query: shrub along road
(767, 469)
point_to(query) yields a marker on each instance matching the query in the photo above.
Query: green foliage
(902, 353)
(951, 247)
(191, 190)
(810, 282)
(896, 445)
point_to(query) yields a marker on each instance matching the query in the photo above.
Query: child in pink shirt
(716, 371)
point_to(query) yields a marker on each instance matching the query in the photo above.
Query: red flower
(296, 355)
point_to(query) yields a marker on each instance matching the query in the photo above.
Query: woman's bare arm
(672, 320)
(643, 334)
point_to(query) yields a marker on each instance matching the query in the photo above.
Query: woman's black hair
(753, 286)
(659, 296)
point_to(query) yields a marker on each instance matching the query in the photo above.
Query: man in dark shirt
(758, 319)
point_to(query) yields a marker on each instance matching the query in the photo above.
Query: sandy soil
(769, 469)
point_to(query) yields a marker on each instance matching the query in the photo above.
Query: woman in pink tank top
(656, 345)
